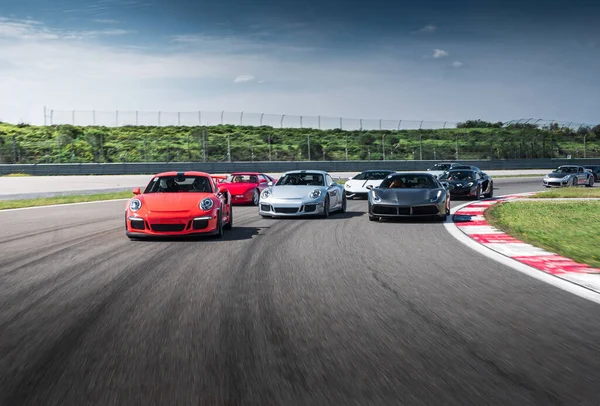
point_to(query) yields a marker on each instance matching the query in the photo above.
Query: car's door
(582, 177)
(333, 191)
(263, 181)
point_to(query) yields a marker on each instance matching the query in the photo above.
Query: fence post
(242, 118)
(360, 125)
(203, 144)
(420, 147)
(14, 148)
(228, 148)
(222, 112)
(300, 121)
(399, 124)
(73, 117)
(584, 144)
(188, 147)
(199, 118)
(44, 116)
(308, 143)
(261, 118)
(51, 116)
(382, 144)
(117, 117)
(319, 118)
(346, 146)
(159, 118)
(341, 126)
(280, 123)
(137, 121)
(178, 119)
(94, 117)
(457, 146)
(270, 146)
(379, 124)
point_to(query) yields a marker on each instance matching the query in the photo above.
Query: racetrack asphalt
(337, 311)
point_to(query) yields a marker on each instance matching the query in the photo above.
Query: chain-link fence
(77, 136)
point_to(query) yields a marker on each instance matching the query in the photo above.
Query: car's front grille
(425, 210)
(165, 228)
(309, 208)
(137, 224)
(385, 210)
(265, 207)
(200, 224)
(404, 211)
(286, 210)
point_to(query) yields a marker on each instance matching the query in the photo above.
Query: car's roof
(184, 173)
(307, 171)
(413, 173)
(246, 173)
(569, 166)
(469, 169)
(378, 170)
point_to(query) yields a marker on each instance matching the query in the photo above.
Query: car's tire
(478, 196)
(326, 207)
(229, 224)
(373, 218)
(220, 232)
(255, 197)
(344, 204)
(491, 193)
(575, 181)
(590, 182)
(266, 217)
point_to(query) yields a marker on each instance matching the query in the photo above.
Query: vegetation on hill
(474, 139)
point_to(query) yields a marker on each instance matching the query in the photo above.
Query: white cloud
(106, 21)
(243, 79)
(440, 53)
(457, 64)
(428, 29)
(31, 30)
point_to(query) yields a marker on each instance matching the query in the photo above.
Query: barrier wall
(273, 167)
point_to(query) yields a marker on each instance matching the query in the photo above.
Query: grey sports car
(409, 195)
(569, 175)
(300, 193)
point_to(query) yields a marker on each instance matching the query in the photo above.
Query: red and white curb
(470, 227)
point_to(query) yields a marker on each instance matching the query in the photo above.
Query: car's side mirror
(136, 191)
(446, 185)
(222, 190)
(370, 187)
(270, 184)
(262, 181)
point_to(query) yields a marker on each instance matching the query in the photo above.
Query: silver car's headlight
(135, 205)
(315, 194)
(206, 204)
(265, 194)
(436, 197)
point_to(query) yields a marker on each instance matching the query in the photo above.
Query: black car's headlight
(135, 204)
(315, 194)
(436, 197)
(470, 184)
(206, 204)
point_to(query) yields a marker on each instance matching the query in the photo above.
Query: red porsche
(179, 204)
(246, 187)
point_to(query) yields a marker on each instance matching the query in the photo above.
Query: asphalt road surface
(340, 311)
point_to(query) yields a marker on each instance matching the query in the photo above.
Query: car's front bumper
(162, 225)
(423, 210)
(470, 191)
(556, 182)
(352, 194)
(290, 207)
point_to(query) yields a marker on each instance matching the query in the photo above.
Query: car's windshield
(176, 184)
(372, 175)
(566, 169)
(440, 167)
(409, 181)
(242, 178)
(313, 179)
(458, 175)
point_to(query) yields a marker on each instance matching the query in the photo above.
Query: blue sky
(427, 60)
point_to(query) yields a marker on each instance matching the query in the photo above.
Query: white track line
(555, 281)
(60, 205)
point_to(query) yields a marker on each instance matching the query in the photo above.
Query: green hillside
(66, 143)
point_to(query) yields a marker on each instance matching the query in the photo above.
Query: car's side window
(329, 180)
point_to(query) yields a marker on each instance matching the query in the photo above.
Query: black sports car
(595, 170)
(468, 183)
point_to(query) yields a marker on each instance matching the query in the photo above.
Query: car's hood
(293, 192)
(556, 175)
(238, 188)
(355, 183)
(157, 202)
(407, 196)
(459, 183)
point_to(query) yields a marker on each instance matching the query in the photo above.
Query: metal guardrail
(272, 167)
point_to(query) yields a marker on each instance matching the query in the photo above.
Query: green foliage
(475, 139)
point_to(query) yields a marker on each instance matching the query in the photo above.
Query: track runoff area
(337, 311)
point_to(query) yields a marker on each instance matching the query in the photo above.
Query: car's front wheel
(344, 204)
(229, 224)
(574, 183)
(255, 197)
(491, 192)
(220, 232)
(326, 207)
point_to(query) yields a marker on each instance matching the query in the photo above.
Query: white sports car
(357, 186)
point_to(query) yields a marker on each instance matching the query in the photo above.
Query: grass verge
(568, 192)
(571, 229)
(49, 201)
(16, 175)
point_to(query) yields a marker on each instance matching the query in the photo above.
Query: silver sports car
(409, 195)
(569, 175)
(300, 193)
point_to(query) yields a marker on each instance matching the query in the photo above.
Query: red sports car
(179, 203)
(246, 187)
